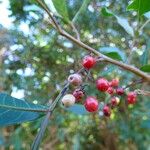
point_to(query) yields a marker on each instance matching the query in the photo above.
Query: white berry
(68, 100)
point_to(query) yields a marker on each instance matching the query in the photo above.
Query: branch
(107, 59)
(142, 92)
(130, 68)
(75, 31)
(45, 122)
(142, 27)
(133, 83)
(39, 136)
(42, 4)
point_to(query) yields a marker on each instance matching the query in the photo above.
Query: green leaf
(125, 24)
(145, 68)
(147, 15)
(77, 109)
(61, 8)
(114, 55)
(106, 12)
(145, 124)
(109, 70)
(141, 6)
(121, 21)
(113, 52)
(52, 8)
(14, 111)
(145, 56)
(81, 10)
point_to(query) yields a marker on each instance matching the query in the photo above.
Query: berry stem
(142, 92)
(134, 83)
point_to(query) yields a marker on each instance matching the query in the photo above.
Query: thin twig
(142, 27)
(134, 83)
(75, 31)
(89, 76)
(130, 68)
(142, 92)
(131, 51)
(100, 59)
(108, 59)
(49, 14)
(45, 122)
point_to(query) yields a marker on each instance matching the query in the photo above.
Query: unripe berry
(110, 90)
(106, 111)
(68, 100)
(75, 79)
(114, 83)
(78, 94)
(131, 97)
(102, 84)
(115, 101)
(88, 62)
(120, 91)
(91, 104)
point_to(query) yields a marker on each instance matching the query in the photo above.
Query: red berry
(120, 91)
(102, 84)
(115, 101)
(75, 79)
(88, 62)
(78, 94)
(91, 104)
(106, 111)
(131, 98)
(114, 83)
(110, 90)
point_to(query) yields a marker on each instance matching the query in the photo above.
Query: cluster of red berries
(91, 104)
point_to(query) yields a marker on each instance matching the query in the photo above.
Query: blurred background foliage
(35, 62)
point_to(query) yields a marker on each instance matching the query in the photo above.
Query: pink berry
(102, 84)
(115, 101)
(78, 94)
(114, 83)
(110, 90)
(91, 104)
(88, 62)
(106, 111)
(120, 91)
(131, 97)
(75, 79)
